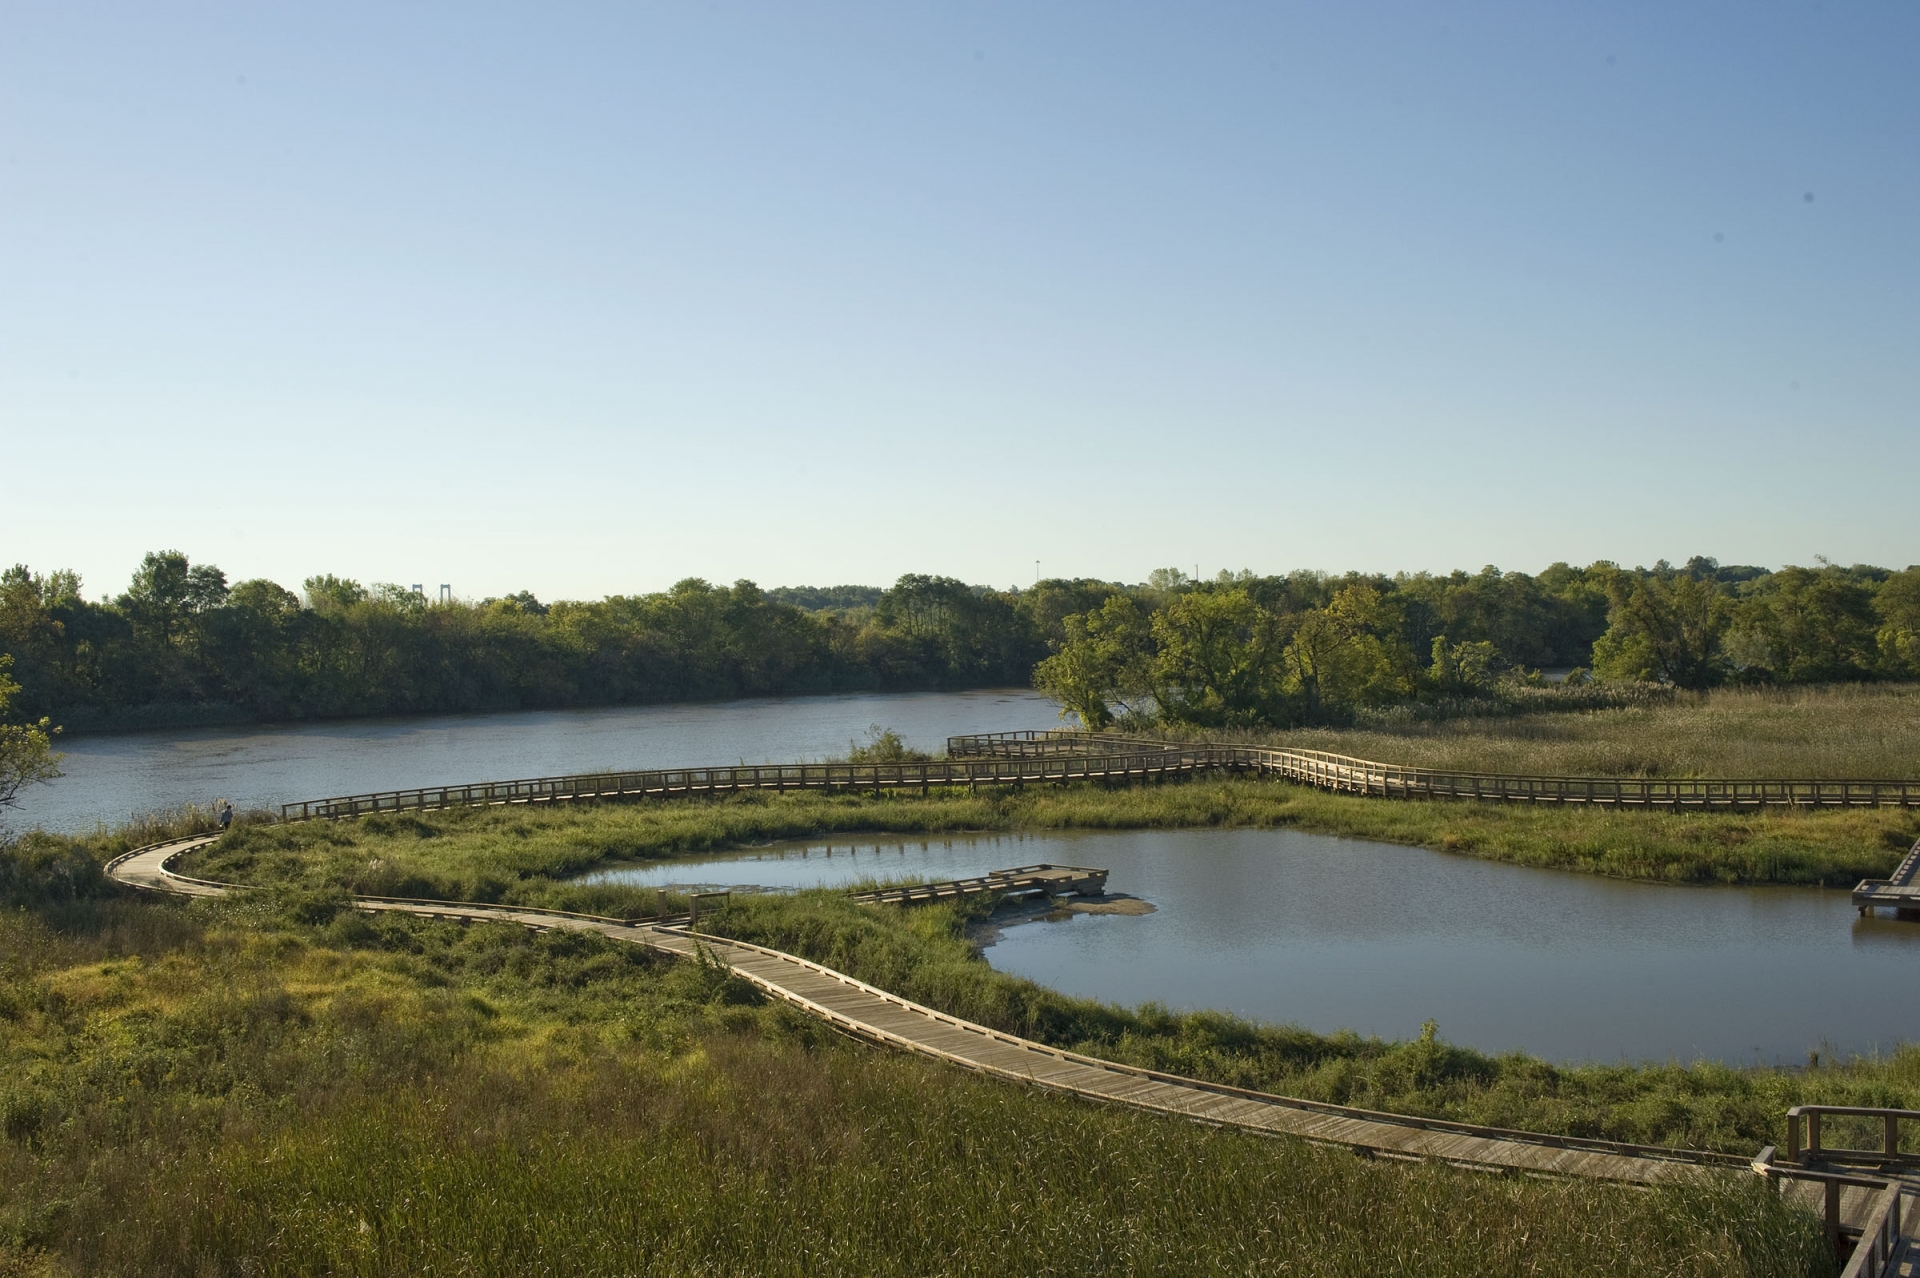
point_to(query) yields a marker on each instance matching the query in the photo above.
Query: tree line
(180, 638)
(182, 642)
(1311, 649)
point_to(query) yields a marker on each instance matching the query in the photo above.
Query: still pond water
(109, 778)
(1340, 933)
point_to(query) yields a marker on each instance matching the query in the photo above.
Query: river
(109, 778)
(1347, 934)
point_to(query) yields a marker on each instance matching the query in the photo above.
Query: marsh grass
(1843, 731)
(223, 1088)
(526, 855)
(924, 954)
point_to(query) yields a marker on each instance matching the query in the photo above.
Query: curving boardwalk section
(877, 1016)
(1347, 775)
(1060, 757)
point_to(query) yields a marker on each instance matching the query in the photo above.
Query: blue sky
(585, 299)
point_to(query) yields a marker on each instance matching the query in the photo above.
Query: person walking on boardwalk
(226, 815)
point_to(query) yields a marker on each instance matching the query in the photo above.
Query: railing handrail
(1842, 786)
(1812, 1150)
(1068, 755)
(1879, 1241)
(1858, 1111)
(722, 776)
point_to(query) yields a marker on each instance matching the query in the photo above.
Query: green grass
(242, 1087)
(923, 954)
(516, 854)
(1858, 731)
(273, 1084)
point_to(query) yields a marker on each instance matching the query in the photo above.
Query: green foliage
(1664, 626)
(180, 646)
(1218, 660)
(179, 641)
(1802, 625)
(1898, 639)
(883, 745)
(1461, 669)
(210, 1089)
(26, 749)
(38, 870)
(1101, 664)
(1348, 654)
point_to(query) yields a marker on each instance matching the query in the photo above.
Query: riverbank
(270, 1084)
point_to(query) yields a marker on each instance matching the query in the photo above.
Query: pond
(109, 778)
(1341, 933)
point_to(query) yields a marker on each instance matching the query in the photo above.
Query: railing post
(1793, 1136)
(1833, 1214)
(1893, 1135)
(1813, 1133)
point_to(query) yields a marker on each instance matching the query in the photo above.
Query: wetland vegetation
(521, 855)
(270, 1084)
(274, 1083)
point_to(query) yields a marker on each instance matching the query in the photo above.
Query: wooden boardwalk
(1348, 775)
(877, 1016)
(1055, 758)
(1875, 1204)
(1126, 765)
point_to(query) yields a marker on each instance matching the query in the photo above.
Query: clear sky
(587, 298)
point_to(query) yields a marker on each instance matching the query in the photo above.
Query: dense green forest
(182, 643)
(1309, 649)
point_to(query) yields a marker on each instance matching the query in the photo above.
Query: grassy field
(256, 1087)
(1863, 731)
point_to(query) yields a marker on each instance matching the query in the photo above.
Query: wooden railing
(1831, 1186)
(668, 782)
(1019, 758)
(1349, 775)
(1808, 1148)
(1881, 1242)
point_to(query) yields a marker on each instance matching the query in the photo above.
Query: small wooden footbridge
(1865, 1196)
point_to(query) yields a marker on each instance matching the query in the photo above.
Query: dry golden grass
(1869, 731)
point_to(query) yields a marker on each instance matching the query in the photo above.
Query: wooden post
(1833, 1215)
(1893, 1135)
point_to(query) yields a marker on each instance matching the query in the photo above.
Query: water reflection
(1340, 933)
